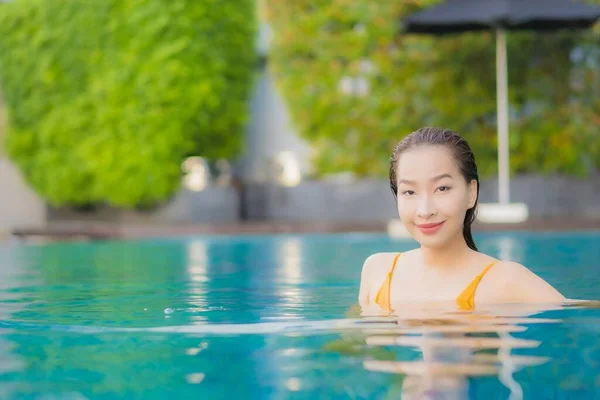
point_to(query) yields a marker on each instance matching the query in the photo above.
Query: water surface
(275, 317)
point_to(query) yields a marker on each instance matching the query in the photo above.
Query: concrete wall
(373, 200)
(214, 205)
(363, 201)
(551, 195)
(19, 205)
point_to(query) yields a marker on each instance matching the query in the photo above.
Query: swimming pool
(257, 317)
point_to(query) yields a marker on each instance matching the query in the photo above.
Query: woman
(434, 178)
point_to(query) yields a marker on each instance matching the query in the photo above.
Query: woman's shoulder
(378, 262)
(374, 271)
(509, 271)
(509, 281)
(377, 266)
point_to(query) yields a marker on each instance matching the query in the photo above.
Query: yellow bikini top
(464, 301)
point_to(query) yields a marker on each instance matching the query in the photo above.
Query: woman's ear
(472, 193)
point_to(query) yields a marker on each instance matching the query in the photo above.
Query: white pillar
(502, 104)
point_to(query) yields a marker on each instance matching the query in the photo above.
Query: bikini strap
(466, 300)
(485, 270)
(383, 295)
(394, 265)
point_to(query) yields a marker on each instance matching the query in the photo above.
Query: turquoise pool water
(263, 317)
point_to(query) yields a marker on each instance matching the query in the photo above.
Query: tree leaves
(105, 99)
(320, 47)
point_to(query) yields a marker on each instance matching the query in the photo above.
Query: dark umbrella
(455, 16)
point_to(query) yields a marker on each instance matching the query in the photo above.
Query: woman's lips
(430, 229)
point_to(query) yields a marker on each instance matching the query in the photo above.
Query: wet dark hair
(462, 154)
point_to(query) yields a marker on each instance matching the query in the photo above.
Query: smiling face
(433, 195)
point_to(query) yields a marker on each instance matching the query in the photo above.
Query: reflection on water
(453, 352)
(290, 260)
(198, 270)
(443, 354)
(197, 264)
(509, 248)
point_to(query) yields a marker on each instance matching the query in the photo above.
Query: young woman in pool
(434, 178)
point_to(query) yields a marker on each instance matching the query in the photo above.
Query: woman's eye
(408, 193)
(444, 188)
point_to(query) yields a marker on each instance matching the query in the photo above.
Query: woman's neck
(454, 253)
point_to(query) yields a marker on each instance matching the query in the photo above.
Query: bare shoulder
(379, 264)
(516, 283)
(378, 261)
(374, 271)
(513, 272)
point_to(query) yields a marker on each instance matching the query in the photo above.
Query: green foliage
(420, 80)
(106, 98)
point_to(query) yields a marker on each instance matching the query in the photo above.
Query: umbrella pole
(502, 104)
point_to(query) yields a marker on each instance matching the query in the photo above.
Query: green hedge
(106, 98)
(419, 80)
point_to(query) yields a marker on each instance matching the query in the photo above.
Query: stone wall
(551, 195)
(362, 201)
(19, 205)
(372, 200)
(214, 205)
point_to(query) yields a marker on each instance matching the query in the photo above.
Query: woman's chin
(434, 242)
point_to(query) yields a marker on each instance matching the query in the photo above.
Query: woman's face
(433, 196)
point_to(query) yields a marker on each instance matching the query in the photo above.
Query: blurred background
(136, 118)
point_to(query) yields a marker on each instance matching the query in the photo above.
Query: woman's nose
(426, 208)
